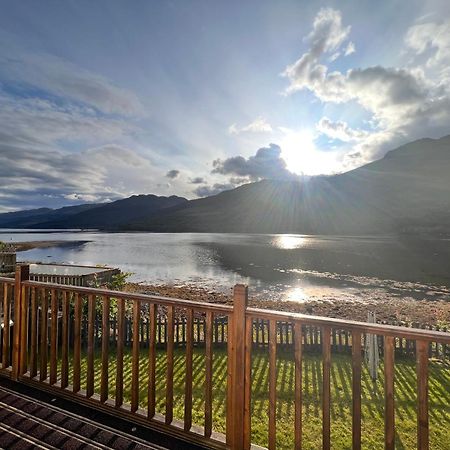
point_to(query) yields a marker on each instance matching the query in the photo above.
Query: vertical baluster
(105, 349)
(90, 347)
(389, 418)
(188, 377)
(54, 337)
(135, 358)
(326, 364)
(77, 344)
(44, 331)
(208, 373)
(422, 395)
(169, 378)
(119, 352)
(248, 382)
(33, 337)
(356, 390)
(272, 383)
(65, 341)
(6, 330)
(298, 355)
(152, 362)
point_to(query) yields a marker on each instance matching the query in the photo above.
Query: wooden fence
(340, 340)
(56, 352)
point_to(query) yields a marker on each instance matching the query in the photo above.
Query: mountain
(103, 216)
(406, 191)
(30, 218)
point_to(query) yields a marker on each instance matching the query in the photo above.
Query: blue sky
(102, 100)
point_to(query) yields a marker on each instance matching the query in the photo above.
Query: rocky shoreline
(400, 310)
(24, 246)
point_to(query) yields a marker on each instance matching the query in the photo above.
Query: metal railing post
(19, 351)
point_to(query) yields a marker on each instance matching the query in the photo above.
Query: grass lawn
(341, 421)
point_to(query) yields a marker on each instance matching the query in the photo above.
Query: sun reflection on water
(289, 241)
(296, 294)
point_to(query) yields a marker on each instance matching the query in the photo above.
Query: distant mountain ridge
(406, 191)
(108, 216)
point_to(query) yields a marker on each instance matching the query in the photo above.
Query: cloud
(172, 174)
(404, 103)
(259, 125)
(217, 188)
(37, 170)
(266, 163)
(327, 36)
(64, 79)
(431, 40)
(197, 180)
(350, 49)
(339, 130)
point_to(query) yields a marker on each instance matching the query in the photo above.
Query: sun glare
(303, 158)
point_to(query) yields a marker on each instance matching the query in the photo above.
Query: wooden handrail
(164, 301)
(352, 325)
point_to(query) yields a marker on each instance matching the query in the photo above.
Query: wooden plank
(248, 383)
(326, 391)
(188, 375)
(65, 340)
(236, 354)
(169, 374)
(105, 349)
(33, 335)
(389, 413)
(43, 340)
(77, 343)
(298, 356)
(208, 373)
(90, 346)
(119, 350)
(272, 383)
(422, 396)
(230, 381)
(6, 330)
(19, 344)
(152, 362)
(54, 337)
(135, 358)
(356, 390)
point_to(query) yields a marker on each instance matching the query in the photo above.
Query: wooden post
(236, 355)
(19, 354)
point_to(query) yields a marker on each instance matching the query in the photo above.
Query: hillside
(406, 191)
(103, 216)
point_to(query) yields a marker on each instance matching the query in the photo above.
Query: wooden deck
(31, 419)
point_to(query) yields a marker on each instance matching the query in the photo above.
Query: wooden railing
(53, 350)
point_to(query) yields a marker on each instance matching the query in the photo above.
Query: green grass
(341, 380)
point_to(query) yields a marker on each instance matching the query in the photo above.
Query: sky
(103, 100)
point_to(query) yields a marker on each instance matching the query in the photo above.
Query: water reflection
(297, 265)
(289, 241)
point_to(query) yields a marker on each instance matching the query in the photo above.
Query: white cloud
(403, 103)
(339, 130)
(65, 79)
(432, 40)
(259, 125)
(350, 49)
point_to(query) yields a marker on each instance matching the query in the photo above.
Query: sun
(302, 157)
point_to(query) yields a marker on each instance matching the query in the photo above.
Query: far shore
(24, 246)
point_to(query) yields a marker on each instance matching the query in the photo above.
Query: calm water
(298, 267)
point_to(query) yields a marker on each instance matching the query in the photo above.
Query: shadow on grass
(372, 401)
